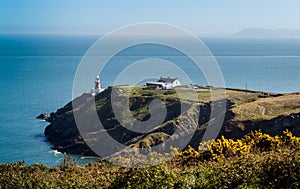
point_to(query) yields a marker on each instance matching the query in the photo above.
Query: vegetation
(255, 161)
(248, 105)
(268, 108)
(245, 110)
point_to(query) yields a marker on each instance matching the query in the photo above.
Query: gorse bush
(290, 140)
(255, 141)
(256, 161)
(261, 141)
(227, 147)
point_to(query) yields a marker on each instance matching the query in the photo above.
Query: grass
(248, 105)
(275, 163)
(255, 161)
(268, 108)
(203, 94)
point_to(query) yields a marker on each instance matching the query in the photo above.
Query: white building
(165, 83)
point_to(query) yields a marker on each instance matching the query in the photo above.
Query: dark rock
(43, 116)
(275, 126)
(64, 135)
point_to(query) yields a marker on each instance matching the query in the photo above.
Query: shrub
(255, 141)
(169, 92)
(255, 161)
(222, 148)
(262, 141)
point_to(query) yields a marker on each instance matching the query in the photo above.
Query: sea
(37, 73)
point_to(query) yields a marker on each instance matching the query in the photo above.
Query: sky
(100, 17)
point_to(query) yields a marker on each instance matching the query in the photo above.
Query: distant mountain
(268, 33)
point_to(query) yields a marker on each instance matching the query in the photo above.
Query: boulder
(42, 116)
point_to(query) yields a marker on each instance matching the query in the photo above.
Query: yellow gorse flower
(256, 140)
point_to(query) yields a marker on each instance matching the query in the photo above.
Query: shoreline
(236, 124)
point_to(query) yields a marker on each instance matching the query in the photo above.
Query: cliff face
(275, 126)
(64, 135)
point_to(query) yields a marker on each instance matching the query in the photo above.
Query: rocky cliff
(65, 137)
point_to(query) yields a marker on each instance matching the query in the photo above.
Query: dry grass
(248, 105)
(268, 108)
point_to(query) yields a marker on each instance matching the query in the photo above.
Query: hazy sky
(99, 17)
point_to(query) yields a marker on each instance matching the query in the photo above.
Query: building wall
(176, 83)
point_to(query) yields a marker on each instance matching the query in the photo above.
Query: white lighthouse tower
(97, 89)
(97, 83)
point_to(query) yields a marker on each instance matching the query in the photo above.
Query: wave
(88, 157)
(55, 152)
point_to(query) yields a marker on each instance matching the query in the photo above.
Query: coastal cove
(36, 76)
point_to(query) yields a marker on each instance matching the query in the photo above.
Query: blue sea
(37, 72)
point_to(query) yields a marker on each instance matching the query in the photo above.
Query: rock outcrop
(275, 126)
(64, 135)
(42, 116)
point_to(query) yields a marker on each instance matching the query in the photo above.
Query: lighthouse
(97, 83)
(97, 89)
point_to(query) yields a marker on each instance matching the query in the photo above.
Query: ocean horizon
(37, 72)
